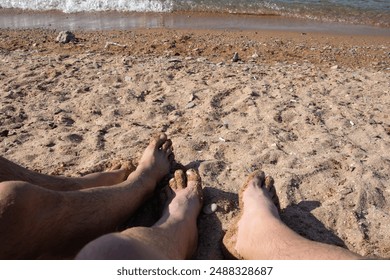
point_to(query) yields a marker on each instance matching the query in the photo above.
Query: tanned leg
(174, 236)
(10, 171)
(40, 223)
(260, 233)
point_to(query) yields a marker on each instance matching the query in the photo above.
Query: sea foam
(71, 6)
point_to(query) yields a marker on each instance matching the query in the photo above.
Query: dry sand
(312, 110)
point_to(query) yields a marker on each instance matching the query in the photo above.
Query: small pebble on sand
(210, 208)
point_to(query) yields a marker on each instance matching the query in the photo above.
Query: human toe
(157, 141)
(180, 179)
(257, 178)
(167, 146)
(194, 180)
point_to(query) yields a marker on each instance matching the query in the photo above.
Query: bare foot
(259, 233)
(258, 202)
(185, 200)
(156, 160)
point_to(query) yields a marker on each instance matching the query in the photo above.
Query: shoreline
(99, 21)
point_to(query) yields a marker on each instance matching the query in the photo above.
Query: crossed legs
(39, 221)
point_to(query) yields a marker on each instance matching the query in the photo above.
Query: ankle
(148, 173)
(143, 178)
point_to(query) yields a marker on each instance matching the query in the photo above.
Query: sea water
(373, 12)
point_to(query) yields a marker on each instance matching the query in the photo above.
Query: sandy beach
(310, 109)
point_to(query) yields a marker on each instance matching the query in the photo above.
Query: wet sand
(92, 21)
(311, 109)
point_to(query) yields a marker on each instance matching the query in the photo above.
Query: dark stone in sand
(235, 58)
(65, 37)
